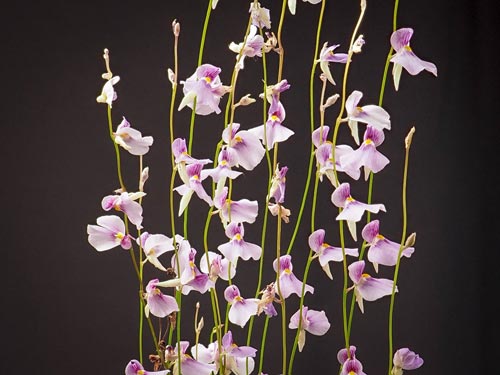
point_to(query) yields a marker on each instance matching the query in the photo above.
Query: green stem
(117, 150)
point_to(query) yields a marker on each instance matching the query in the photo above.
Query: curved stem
(117, 150)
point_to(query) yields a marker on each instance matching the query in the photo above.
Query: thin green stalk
(117, 150)
(263, 344)
(401, 246)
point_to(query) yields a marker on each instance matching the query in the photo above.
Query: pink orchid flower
(237, 247)
(125, 202)
(134, 367)
(288, 282)
(241, 309)
(131, 139)
(314, 322)
(108, 233)
(158, 304)
(405, 359)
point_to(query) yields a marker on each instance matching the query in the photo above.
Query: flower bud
(358, 44)
(409, 138)
(176, 28)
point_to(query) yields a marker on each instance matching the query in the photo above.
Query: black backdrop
(69, 310)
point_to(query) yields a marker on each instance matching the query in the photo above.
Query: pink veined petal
(353, 211)
(289, 284)
(162, 305)
(140, 146)
(205, 354)
(241, 311)
(318, 322)
(135, 368)
(248, 149)
(342, 355)
(230, 250)
(340, 195)
(332, 253)
(401, 38)
(320, 135)
(108, 202)
(370, 231)
(407, 360)
(111, 222)
(375, 116)
(352, 101)
(190, 366)
(316, 240)
(100, 238)
(386, 252)
(133, 210)
(200, 192)
(250, 250)
(412, 63)
(372, 289)
(356, 271)
(242, 210)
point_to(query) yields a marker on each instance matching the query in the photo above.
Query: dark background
(70, 310)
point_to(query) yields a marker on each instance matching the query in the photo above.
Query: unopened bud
(200, 326)
(409, 138)
(331, 100)
(363, 4)
(176, 28)
(410, 241)
(171, 77)
(144, 178)
(358, 44)
(108, 75)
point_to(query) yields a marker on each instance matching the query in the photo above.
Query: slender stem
(263, 344)
(401, 248)
(117, 150)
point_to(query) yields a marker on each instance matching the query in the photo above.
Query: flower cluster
(210, 268)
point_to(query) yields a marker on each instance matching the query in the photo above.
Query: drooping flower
(382, 250)
(158, 304)
(278, 209)
(134, 367)
(240, 211)
(204, 87)
(366, 155)
(192, 185)
(108, 94)
(216, 266)
(366, 287)
(243, 146)
(267, 299)
(190, 276)
(181, 156)
(327, 253)
(251, 48)
(369, 114)
(405, 359)
(108, 233)
(131, 139)
(314, 322)
(237, 247)
(188, 365)
(274, 131)
(235, 357)
(352, 210)
(241, 308)
(405, 57)
(278, 184)
(327, 56)
(125, 202)
(260, 16)
(153, 246)
(288, 282)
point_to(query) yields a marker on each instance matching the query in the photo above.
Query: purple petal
(316, 240)
(241, 311)
(340, 195)
(356, 271)
(412, 63)
(372, 288)
(370, 231)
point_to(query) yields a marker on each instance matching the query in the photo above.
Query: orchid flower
(243, 146)
(131, 139)
(278, 209)
(205, 89)
(181, 156)
(125, 202)
(260, 16)
(158, 304)
(223, 169)
(405, 57)
(108, 233)
(241, 211)
(234, 357)
(153, 246)
(288, 282)
(134, 367)
(327, 56)
(241, 309)
(405, 359)
(277, 189)
(237, 247)
(216, 266)
(275, 132)
(190, 276)
(350, 365)
(327, 253)
(366, 287)
(352, 210)
(314, 322)
(367, 155)
(250, 48)
(192, 185)
(382, 251)
(188, 365)
(108, 94)
(369, 114)
(274, 90)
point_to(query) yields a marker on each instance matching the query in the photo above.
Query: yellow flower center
(408, 48)
(359, 109)
(274, 118)
(365, 275)
(237, 237)
(196, 177)
(287, 271)
(238, 139)
(380, 237)
(119, 235)
(141, 372)
(368, 141)
(350, 199)
(207, 79)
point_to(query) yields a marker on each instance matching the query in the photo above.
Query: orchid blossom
(405, 57)
(366, 287)
(314, 322)
(131, 139)
(288, 282)
(126, 203)
(108, 94)
(241, 211)
(158, 304)
(108, 233)
(405, 359)
(153, 246)
(251, 47)
(327, 56)
(192, 185)
(241, 309)
(188, 365)
(243, 147)
(237, 247)
(134, 367)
